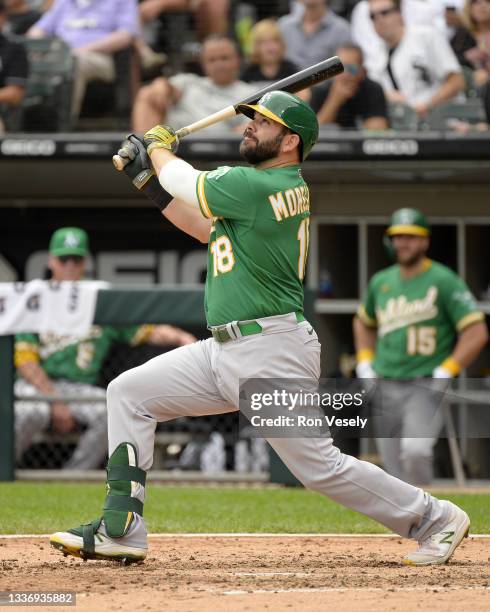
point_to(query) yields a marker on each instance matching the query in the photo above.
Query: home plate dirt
(223, 574)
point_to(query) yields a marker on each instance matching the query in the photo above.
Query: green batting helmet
(405, 221)
(408, 221)
(289, 110)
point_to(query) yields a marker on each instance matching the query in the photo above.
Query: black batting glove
(139, 168)
(141, 173)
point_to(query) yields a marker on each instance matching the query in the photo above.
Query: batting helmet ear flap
(389, 248)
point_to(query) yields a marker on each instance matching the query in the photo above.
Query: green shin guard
(120, 505)
(122, 473)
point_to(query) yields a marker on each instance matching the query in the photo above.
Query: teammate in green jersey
(418, 319)
(255, 221)
(69, 365)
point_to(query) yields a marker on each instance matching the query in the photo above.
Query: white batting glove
(441, 372)
(364, 369)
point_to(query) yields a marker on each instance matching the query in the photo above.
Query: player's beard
(410, 260)
(258, 152)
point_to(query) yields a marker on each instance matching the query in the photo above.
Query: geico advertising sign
(124, 267)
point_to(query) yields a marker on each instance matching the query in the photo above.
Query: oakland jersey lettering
(400, 312)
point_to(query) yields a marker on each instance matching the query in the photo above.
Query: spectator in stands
(313, 34)
(185, 98)
(53, 365)
(268, 47)
(441, 14)
(459, 36)
(477, 18)
(95, 30)
(351, 100)
(20, 16)
(13, 73)
(420, 68)
(246, 14)
(211, 16)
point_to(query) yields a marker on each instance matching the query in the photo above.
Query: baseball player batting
(418, 320)
(255, 221)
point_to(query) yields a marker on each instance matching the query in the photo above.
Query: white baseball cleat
(92, 542)
(439, 547)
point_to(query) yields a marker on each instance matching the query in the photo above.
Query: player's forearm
(160, 158)
(470, 343)
(188, 219)
(176, 176)
(453, 85)
(365, 342)
(364, 337)
(33, 373)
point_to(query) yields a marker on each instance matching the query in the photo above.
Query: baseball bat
(296, 82)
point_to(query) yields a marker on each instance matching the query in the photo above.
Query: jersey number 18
(224, 259)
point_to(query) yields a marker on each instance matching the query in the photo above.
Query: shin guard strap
(88, 534)
(126, 472)
(124, 503)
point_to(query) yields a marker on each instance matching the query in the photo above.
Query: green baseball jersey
(259, 241)
(74, 358)
(417, 319)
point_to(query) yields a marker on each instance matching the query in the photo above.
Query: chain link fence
(72, 434)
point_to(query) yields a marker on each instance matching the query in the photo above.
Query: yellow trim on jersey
(21, 357)
(469, 319)
(365, 318)
(201, 197)
(415, 230)
(427, 264)
(142, 334)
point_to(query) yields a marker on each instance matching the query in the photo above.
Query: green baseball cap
(408, 221)
(69, 241)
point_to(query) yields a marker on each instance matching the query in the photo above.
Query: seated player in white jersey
(255, 220)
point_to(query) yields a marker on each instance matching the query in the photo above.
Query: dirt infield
(245, 573)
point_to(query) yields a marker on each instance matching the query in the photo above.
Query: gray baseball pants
(417, 416)
(203, 378)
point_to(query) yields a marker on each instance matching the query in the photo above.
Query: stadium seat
(402, 117)
(471, 88)
(111, 103)
(470, 110)
(47, 102)
(12, 118)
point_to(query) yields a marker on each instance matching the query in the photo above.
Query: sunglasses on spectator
(480, 2)
(75, 258)
(352, 68)
(383, 13)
